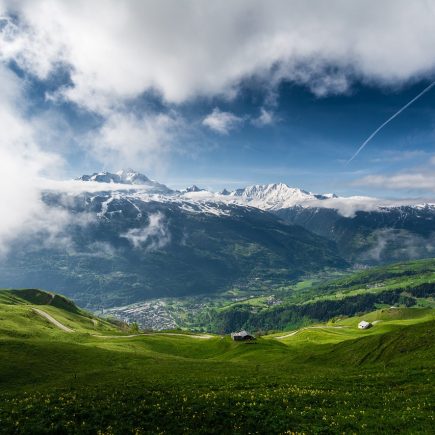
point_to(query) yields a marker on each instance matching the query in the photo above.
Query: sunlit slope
(93, 344)
(415, 278)
(410, 284)
(102, 379)
(399, 336)
(384, 320)
(21, 315)
(20, 319)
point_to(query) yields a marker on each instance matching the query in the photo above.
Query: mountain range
(132, 238)
(366, 230)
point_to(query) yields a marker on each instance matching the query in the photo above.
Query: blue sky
(226, 95)
(305, 140)
(311, 138)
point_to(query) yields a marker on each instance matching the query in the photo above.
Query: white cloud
(154, 236)
(399, 155)
(22, 162)
(222, 122)
(348, 206)
(117, 50)
(421, 181)
(266, 117)
(125, 139)
(402, 244)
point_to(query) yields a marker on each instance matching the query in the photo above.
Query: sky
(218, 94)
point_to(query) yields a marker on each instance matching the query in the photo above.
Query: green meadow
(103, 378)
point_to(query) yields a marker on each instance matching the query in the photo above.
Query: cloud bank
(117, 50)
(113, 53)
(22, 162)
(411, 181)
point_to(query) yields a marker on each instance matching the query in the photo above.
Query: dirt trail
(64, 328)
(117, 336)
(52, 320)
(201, 337)
(308, 327)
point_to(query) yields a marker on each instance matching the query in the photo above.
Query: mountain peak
(276, 196)
(130, 176)
(126, 176)
(193, 188)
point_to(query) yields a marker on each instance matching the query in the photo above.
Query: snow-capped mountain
(276, 196)
(147, 240)
(129, 177)
(193, 188)
(365, 229)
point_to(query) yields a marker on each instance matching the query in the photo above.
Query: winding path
(309, 327)
(52, 320)
(64, 328)
(201, 337)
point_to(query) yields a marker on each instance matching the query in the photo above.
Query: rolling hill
(103, 378)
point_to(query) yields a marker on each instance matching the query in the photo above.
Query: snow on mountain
(268, 197)
(280, 196)
(193, 188)
(274, 196)
(128, 177)
(101, 177)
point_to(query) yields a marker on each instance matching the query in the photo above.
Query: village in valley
(172, 313)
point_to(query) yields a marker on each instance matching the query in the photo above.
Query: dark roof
(241, 334)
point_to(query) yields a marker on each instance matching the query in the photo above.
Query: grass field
(323, 379)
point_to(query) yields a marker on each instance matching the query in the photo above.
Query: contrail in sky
(388, 121)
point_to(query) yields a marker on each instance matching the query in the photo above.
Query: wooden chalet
(242, 336)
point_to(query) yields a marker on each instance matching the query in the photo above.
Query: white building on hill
(364, 325)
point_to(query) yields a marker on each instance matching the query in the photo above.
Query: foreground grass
(310, 405)
(318, 381)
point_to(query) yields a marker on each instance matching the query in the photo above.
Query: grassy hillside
(403, 284)
(20, 319)
(331, 378)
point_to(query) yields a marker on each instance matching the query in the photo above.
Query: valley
(270, 306)
(127, 240)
